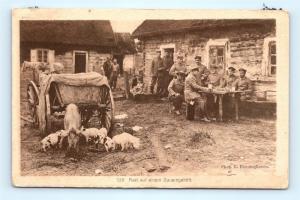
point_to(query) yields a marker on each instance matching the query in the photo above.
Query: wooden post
(221, 107)
(236, 105)
(126, 84)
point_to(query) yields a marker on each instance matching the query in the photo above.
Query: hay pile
(201, 139)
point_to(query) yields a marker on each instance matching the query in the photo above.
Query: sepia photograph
(150, 98)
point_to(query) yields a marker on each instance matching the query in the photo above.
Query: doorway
(80, 61)
(120, 59)
(170, 51)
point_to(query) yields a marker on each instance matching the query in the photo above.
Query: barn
(81, 46)
(247, 43)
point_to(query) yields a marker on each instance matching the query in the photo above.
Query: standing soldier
(114, 74)
(192, 94)
(178, 66)
(107, 68)
(168, 63)
(203, 71)
(244, 84)
(202, 68)
(156, 64)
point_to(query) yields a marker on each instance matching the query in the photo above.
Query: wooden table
(220, 94)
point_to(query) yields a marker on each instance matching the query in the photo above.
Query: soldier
(227, 82)
(213, 81)
(229, 79)
(192, 93)
(168, 63)
(203, 71)
(107, 68)
(176, 91)
(244, 84)
(214, 78)
(178, 66)
(156, 64)
(114, 74)
(202, 68)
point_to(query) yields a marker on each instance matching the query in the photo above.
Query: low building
(246, 43)
(81, 46)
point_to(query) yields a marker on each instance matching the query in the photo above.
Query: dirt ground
(171, 145)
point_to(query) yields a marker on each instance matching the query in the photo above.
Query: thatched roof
(125, 43)
(79, 32)
(157, 27)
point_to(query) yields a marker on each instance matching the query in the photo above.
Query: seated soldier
(176, 90)
(214, 78)
(227, 82)
(244, 84)
(213, 81)
(192, 93)
(229, 79)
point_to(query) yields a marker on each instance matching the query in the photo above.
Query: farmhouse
(81, 46)
(250, 44)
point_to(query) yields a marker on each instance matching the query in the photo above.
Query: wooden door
(80, 59)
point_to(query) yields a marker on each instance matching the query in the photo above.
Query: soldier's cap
(180, 73)
(242, 69)
(232, 68)
(197, 57)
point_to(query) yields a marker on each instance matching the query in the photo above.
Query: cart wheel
(48, 115)
(33, 102)
(107, 108)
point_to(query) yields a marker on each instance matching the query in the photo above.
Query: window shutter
(33, 55)
(51, 56)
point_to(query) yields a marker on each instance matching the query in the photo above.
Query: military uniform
(192, 88)
(202, 75)
(114, 75)
(228, 80)
(244, 84)
(228, 100)
(176, 91)
(192, 93)
(176, 68)
(167, 63)
(156, 65)
(212, 106)
(214, 79)
(107, 68)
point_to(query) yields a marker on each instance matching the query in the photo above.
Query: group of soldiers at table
(194, 83)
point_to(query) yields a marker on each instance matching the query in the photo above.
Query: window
(272, 58)
(42, 55)
(217, 56)
(269, 59)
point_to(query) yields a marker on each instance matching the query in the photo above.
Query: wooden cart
(89, 91)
